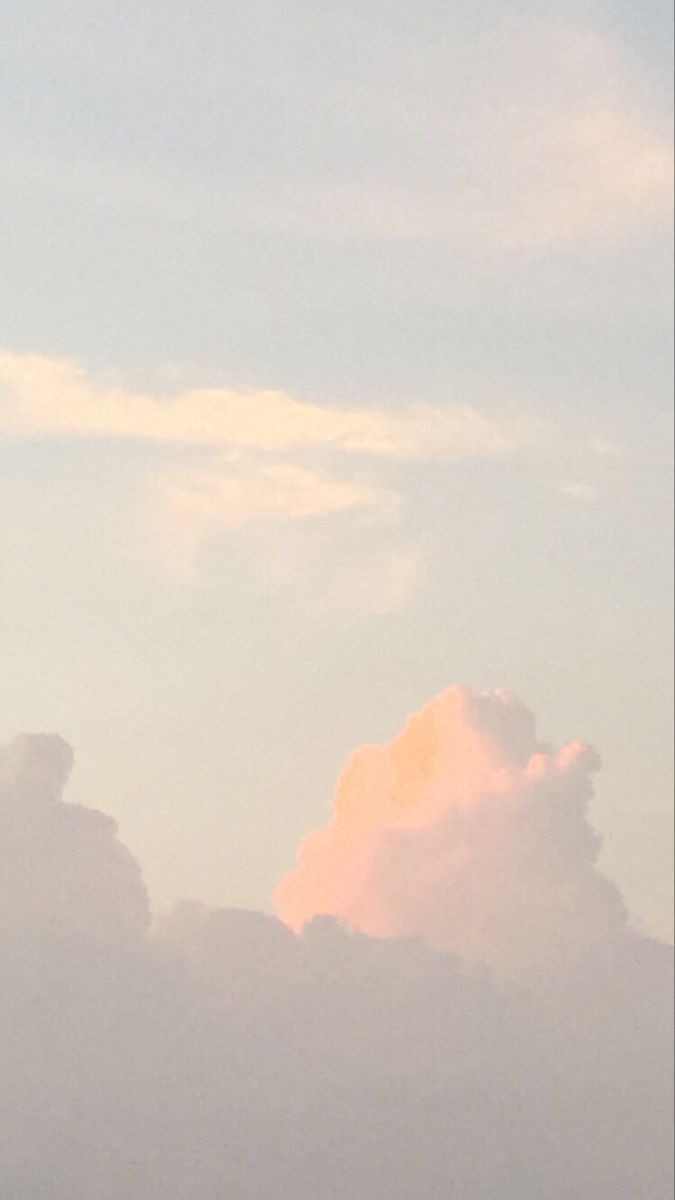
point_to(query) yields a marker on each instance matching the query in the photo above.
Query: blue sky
(445, 229)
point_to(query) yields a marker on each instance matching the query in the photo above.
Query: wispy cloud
(376, 574)
(44, 396)
(190, 507)
(257, 458)
(575, 154)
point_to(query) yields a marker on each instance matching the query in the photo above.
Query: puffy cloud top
(61, 864)
(468, 833)
(34, 769)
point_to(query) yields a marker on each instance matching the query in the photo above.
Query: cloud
(415, 143)
(234, 459)
(468, 833)
(215, 1053)
(375, 574)
(190, 507)
(62, 867)
(599, 174)
(54, 397)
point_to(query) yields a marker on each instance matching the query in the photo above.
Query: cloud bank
(216, 1054)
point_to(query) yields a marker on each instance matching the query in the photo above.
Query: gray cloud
(64, 873)
(217, 1055)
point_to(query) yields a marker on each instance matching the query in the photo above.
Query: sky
(335, 370)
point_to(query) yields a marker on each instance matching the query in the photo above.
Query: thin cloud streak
(43, 396)
(595, 165)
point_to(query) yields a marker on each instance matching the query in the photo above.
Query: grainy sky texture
(334, 369)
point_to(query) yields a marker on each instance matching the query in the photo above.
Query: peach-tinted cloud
(231, 459)
(466, 832)
(191, 506)
(44, 396)
(261, 457)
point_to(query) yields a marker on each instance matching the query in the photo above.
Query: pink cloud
(466, 832)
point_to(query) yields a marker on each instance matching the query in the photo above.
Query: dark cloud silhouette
(63, 868)
(218, 1056)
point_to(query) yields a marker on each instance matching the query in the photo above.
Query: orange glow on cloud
(56, 397)
(465, 832)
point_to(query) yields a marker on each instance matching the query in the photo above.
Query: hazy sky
(335, 366)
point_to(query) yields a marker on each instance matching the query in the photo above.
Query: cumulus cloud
(217, 1054)
(468, 833)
